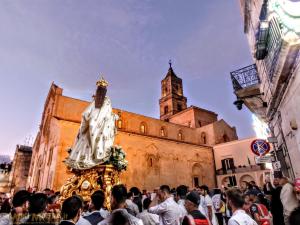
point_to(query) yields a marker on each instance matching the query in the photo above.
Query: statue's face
(99, 97)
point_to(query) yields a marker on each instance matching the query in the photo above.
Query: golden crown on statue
(102, 83)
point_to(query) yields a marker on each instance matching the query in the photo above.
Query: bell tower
(172, 100)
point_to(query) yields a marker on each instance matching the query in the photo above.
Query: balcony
(244, 77)
(241, 169)
(246, 85)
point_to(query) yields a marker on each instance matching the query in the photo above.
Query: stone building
(270, 87)
(235, 163)
(20, 168)
(173, 150)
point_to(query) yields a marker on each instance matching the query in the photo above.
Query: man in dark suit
(71, 210)
(276, 205)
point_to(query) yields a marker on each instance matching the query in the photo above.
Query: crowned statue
(97, 132)
(94, 159)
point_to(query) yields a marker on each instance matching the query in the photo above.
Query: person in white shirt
(168, 210)
(118, 198)
(288, 198)
(181, 192)
(97, 213)
(207, 205)
(145, 216)
(236, 202)
(130, 205)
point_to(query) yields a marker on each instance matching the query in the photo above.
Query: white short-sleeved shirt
(132, 220)
(169, 212)
(240, 217)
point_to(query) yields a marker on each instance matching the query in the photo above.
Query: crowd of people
(275, 203)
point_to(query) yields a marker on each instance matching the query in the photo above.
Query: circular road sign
(260, 147)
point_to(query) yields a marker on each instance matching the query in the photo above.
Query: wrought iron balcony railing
(245, 77)
(241, 169)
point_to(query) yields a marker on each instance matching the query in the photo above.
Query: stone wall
(20, 168)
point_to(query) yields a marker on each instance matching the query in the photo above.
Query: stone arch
(245, 178)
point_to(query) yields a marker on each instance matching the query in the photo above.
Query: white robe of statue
(95, 137)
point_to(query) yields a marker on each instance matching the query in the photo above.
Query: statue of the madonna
(96, 134)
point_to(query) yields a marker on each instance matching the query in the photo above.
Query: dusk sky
(72, 42)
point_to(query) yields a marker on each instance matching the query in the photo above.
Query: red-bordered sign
(260, 147)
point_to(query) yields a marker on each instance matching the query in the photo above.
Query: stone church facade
(175, 149)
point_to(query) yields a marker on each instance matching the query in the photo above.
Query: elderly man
(194, 215)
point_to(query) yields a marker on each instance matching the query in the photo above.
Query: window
(232, 181)
(165, 91)
(225, 138)
(179, 90)
(143, 128)
(166, 109)
(120, 124)
(227, 164)
(163, 132)
(199, 123)
(274, 46)
(203, 138)
(179, 107)
(180, 137)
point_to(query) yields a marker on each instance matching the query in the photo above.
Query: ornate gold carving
(85, 182)
(102, 82)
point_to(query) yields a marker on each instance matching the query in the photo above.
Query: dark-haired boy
(71, 210)
(96, 208)
(236, 202)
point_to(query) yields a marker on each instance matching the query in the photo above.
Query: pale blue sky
(71, 42)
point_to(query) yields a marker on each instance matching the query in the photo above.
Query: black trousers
(219, 218)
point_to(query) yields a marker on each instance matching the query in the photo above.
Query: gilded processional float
(94, 159)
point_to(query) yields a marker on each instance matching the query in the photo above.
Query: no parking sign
(260, 147)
